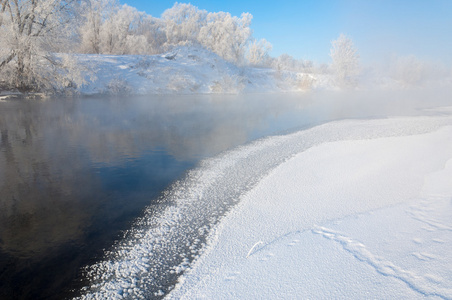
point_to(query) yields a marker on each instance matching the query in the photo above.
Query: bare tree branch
(7, 60)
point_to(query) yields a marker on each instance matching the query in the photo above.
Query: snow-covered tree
(153, 29)
(285, 62)
(117, 32)
(345, 64)
(413, 71)
(258, 52)
(31, 32)
(226, 35)
(110, 28)
(183, 23)
(94, 13)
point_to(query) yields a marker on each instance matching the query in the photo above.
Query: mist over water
(76, 173)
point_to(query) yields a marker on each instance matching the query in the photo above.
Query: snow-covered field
(348, 209)
(366, 216)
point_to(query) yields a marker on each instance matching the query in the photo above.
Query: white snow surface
(366, 213)
(184, 70)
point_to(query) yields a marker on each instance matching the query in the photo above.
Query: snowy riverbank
(196, 70)
(367, 217)
(185, 70)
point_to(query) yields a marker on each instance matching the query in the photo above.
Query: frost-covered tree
(345, 64)
(110, 28)
(183, 23)
(31, 32)
(258, 52)
(94, 13)
(118, 34)
(285, 62)
(226, 35)
(153, 29)
(412, 71)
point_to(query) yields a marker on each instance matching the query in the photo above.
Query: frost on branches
(226, 35)
(32, 31)
(345, 64)
(110, 28)
(258, 53)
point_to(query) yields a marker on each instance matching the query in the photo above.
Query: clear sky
(305, 28)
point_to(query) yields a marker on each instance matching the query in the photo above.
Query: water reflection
(38, 189)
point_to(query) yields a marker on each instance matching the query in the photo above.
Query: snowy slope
(183, 70)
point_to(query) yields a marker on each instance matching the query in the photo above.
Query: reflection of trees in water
(40, 203)
(44, 204)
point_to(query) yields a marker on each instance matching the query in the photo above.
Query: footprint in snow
(439, 241)
(418, 241)
(428, 228)
(423, 256)
(434, 278)
(267, 257)
(232, 276)
(293, 243)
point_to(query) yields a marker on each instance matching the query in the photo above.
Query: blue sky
(305, 28)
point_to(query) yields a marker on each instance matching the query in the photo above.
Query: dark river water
(76, 173)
